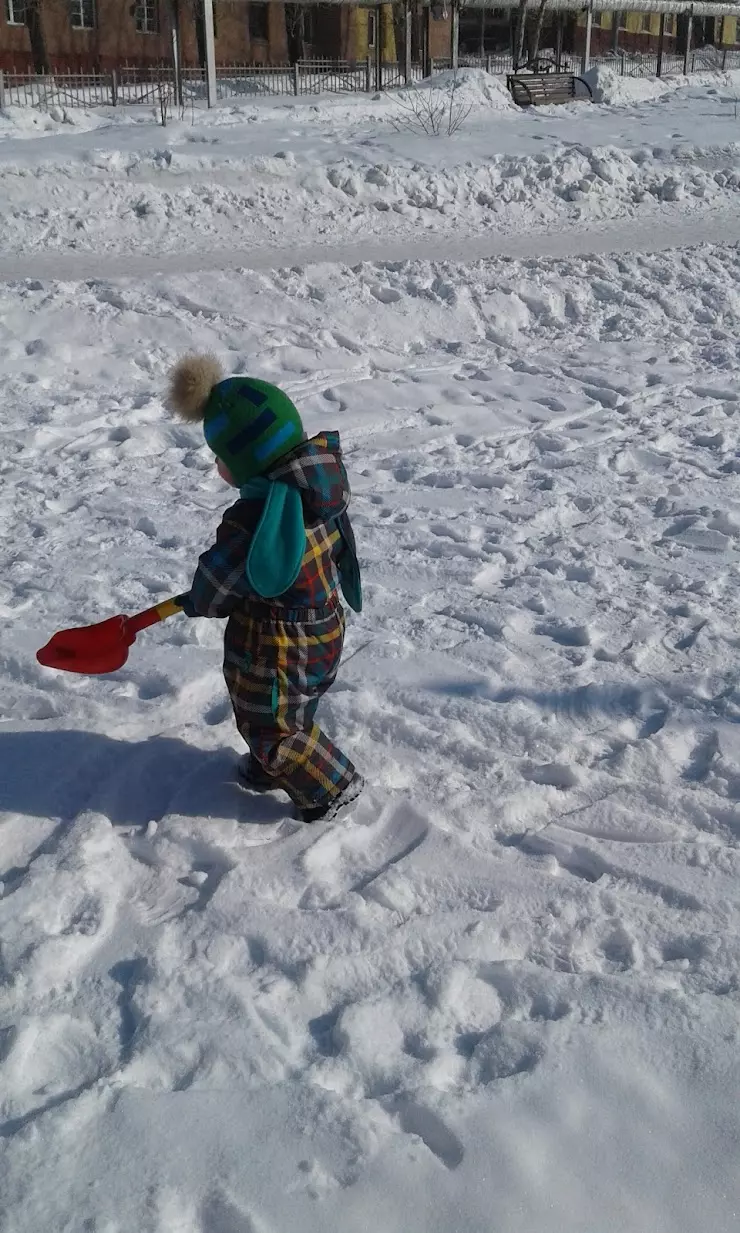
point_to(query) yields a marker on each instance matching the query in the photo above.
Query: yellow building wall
(361, 49)
(633, 24)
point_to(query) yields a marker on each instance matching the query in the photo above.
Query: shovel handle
(151, 616)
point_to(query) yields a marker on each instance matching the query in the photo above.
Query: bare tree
(295, 29)
(535, 45)
(399, 29)
(37, 35)
(521, 34)
(200, 31)
(164, 98)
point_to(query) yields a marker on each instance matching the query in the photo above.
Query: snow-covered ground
(335, 170)
(504, 995)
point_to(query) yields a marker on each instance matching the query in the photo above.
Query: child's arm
(220, 582)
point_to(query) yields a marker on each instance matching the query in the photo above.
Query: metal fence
(635, 64)
(159, 86)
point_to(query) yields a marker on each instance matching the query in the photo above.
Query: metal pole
(210, 53)
(687, 52)
(2, 90)
(455, 35)
(379, 34)
(586, 57)
(113, 89)
(427, 41)
(176, 51)
(407, 42)
(661, 45)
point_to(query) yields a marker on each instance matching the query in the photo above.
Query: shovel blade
(93, 649)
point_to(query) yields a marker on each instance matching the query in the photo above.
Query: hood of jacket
(316, 469)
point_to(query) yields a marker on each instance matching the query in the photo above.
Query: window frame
(81, 9)
(141, 23)
(10, 10)
(372, 24)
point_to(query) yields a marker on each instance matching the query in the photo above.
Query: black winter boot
(250, 775)
(336, 805)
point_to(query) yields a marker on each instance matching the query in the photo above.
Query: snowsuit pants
(278, 664)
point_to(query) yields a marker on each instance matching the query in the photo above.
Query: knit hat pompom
(190, 384)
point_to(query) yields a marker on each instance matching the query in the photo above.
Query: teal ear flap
(279, 543)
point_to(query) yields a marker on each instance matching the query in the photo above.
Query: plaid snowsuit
(282, 655)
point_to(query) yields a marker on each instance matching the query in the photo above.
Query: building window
(147, 17)
(15, 12)
(670, 25)
(646, 24)
(258, 27)
(372, 26)
(82, 14)
(309, 25)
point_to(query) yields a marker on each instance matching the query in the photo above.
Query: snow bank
(334, 170)
(610, 87)
(175, 196)
(24, 122)
(473, 87)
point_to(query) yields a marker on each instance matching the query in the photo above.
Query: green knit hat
(249, 424)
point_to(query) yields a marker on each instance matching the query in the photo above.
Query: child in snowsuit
(281, 553)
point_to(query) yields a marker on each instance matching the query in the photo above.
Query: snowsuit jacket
(220, 586)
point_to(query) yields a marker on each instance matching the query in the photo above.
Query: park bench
(539, 89)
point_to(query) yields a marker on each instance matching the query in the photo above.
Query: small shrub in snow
(431, 112)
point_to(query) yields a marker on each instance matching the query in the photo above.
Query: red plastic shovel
(96, 649)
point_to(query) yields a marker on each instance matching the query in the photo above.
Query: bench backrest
(532, 88)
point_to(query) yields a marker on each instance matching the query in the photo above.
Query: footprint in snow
(353, 857)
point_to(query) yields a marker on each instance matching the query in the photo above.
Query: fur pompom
(190, 385)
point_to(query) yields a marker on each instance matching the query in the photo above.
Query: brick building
(87, 35)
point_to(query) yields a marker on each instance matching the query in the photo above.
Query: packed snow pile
(610, 87)
(503, 994)
(25, 122)
(473, 87)
(169, 198)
